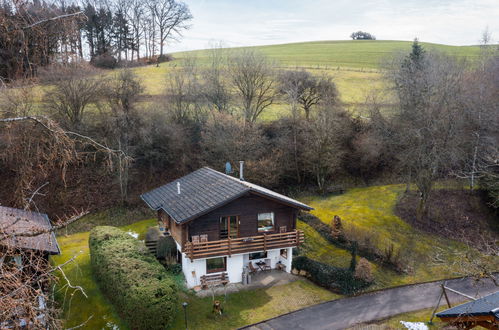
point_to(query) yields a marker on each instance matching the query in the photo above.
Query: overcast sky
(260, 22)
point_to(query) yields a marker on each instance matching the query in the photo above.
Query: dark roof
(488, 305)
(203, 191)
(15, 221)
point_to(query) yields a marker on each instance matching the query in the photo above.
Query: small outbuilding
(22, 230)
(482, 312)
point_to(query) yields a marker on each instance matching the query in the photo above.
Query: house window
(265, 221)
(284, 253)
(257, 255)
(215, 265)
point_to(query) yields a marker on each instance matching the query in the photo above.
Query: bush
(340, 280)
(142, 291)
(165, 58)
(104, 61)
(363, 271)
(166, 248)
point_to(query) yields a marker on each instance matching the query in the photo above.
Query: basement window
(265, 221)
(216, 265)
(257, 255)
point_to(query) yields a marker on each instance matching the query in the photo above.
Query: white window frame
(265, 229)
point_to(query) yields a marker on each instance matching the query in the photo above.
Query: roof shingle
(488, 305)
(203, 191)
(16, 221)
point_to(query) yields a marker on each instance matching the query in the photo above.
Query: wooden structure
(221, 223)
(197, 250)
(482, 312)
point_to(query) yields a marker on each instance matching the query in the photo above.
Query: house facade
(222, 224)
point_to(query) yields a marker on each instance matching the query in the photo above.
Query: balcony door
(229, 227)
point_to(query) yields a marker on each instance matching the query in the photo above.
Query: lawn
(371, 210)
(240, 308)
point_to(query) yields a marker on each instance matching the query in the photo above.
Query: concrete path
(343, 313)
(263, 279)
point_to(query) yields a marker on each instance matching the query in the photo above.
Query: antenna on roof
(178, 188)
(241, 170)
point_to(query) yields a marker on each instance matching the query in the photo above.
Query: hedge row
(340, 280)
(140, 288)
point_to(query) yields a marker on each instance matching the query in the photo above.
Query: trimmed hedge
(142, 291)
(340, 280)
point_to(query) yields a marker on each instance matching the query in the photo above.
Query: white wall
(235, 265)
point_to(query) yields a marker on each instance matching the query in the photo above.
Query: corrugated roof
(203, 191)
(488, 305)
(16, 221)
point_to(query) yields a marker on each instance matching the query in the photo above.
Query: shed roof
(488, 305)
(16, 221)
(203, 191)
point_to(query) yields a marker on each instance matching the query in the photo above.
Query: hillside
(356, 66)
(358, 54)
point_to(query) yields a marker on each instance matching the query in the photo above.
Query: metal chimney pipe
(178, 188)
(241, 170)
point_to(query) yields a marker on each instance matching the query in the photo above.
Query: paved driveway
(343, 313)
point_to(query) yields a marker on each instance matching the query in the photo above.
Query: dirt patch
(457, 214)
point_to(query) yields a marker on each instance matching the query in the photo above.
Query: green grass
(362, 54)
(371, 210)
(246, 307)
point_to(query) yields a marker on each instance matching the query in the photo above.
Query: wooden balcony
(230, 246)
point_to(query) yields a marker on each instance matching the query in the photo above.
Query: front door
(229, 227)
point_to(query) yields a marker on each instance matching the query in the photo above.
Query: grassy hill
(356, 66)
(358, 54)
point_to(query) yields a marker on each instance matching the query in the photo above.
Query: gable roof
(16, 221)
(203, 191)
(488, 305)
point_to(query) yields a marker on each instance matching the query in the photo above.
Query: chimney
(241, 170)
(178, 188)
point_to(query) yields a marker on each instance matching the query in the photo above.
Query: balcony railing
(230, 246)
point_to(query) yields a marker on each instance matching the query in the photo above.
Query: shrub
(104, 61)
(166, 247)
(363, 271)
(165, 58)
(142, 291)
(340, 280)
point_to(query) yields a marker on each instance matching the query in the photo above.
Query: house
(482, 312)
(221, 224)
(16, 235)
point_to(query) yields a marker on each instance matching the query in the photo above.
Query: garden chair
(195, 239)
(283, 229)
(203, 238)
(253, 270)
(267, 265)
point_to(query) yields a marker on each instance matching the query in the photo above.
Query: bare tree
(428, 125)
(215, 86)
(307, 90)
(171, 18)
(122, 93)
(325, 139)
(253, 77)
(71, 96)
(183, 92)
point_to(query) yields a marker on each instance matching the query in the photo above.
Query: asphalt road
(346, 312)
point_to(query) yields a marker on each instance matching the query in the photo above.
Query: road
(346, 312)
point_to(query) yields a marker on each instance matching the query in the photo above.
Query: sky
(259, 22)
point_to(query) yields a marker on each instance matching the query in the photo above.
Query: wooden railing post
(297, 237)
(265, 242)
(229, 246)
